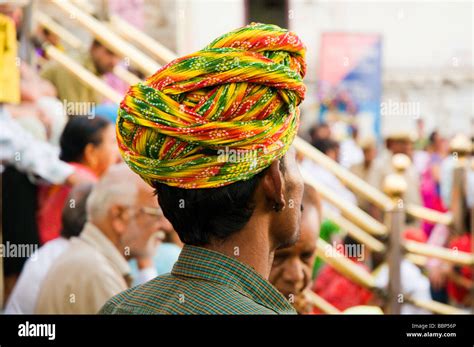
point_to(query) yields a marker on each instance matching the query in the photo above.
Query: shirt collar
(96, 238)
(209, 265)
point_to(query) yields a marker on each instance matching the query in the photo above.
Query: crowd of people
(430, 183)
(132, 212)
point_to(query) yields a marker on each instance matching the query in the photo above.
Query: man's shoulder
(169, 294)
(79, 260)
(52, 69)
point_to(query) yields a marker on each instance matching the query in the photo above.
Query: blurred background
(390, 90)
(423, 49)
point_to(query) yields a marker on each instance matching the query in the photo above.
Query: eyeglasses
(151, 211)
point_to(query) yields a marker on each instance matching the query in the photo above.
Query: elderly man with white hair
(123, 222)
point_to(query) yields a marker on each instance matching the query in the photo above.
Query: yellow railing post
(395, 186)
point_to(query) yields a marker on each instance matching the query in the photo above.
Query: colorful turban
(217, 116)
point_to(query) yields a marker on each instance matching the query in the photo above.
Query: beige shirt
(69, 87)
(361, 171)
(85, 276)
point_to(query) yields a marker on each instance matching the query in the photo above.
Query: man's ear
(118, 217)
(90, 155)
(274, 185)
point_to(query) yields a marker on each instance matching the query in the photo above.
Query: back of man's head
(73, 215)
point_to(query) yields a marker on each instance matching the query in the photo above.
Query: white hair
(119, 185)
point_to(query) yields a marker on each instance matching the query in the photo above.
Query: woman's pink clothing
(51, 200)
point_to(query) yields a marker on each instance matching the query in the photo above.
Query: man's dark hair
(73, 215)
(432, 137)
(200, 216)
(326, 145)
(348, 240)
(77, 134)
(314, 131)
(96, 43)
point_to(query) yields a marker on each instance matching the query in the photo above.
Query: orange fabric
(455, 292)
(338, 290)
(415, 234)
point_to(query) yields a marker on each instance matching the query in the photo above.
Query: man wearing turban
(211, 132)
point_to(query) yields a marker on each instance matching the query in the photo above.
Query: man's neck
(108, 232)
(251, 245)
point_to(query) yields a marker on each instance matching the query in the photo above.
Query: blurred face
(144, 220)
(104, 59)
(50, 37)
(323, 132)
(420, 124)
(99, 158)
(439, 144)
(287, 220)
(370, 153)
(292, 267)
(402, 146)
(13, 11)
(443, 149)
(333, 154)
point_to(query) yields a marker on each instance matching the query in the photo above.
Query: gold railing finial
(460, 145)
(401, 162)
(395, 186)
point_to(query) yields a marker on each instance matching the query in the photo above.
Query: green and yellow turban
(217, 116)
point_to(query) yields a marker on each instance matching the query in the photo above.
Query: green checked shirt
(202, 282)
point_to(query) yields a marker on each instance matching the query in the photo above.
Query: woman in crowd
(90, 146)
